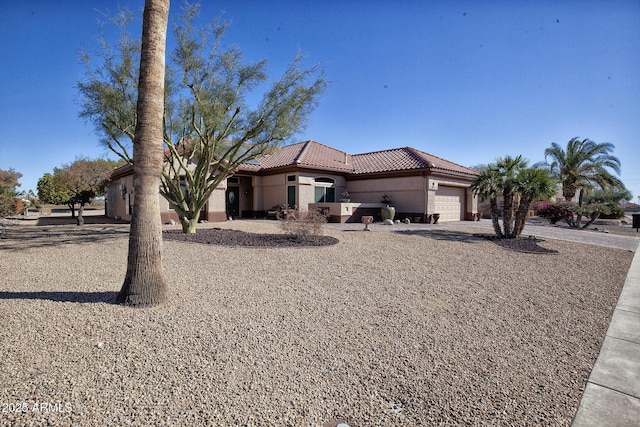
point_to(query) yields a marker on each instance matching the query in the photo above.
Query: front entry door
(233, 202)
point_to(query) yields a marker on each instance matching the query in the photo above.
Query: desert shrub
(572, 213)
(484, 208)
(303, 225)
(611, 210)
(554, 212)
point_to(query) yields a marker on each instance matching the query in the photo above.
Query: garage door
(450, 203)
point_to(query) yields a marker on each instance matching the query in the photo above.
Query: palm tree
(487, 186)
(508, 168)
(144, 284)
(511, 178)
(582, 166)
(531, 184)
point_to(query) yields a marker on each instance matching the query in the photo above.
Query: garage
(449, 203)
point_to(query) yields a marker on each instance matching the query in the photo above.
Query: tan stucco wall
(274, 190)
(118, 192)
(407, 194)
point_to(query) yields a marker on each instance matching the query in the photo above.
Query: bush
(554, 212)
(611, 211)
(303, 225)
(7, 203)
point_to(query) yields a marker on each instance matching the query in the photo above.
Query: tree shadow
(79, 297)
(88, 219)
(530, 245)
(20, 238)
(448, 235)
(527, 245)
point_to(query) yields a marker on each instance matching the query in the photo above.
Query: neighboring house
(311, 175)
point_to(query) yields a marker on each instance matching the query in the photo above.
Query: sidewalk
(612, 394)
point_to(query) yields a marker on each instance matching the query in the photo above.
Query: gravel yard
(393, 329)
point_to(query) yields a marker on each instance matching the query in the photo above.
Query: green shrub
(612, 211)
(7, 203)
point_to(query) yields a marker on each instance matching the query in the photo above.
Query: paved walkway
(612, 394)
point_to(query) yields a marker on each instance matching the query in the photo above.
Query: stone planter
(388, 212)
(367, 220)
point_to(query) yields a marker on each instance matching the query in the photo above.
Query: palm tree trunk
(507, 211)
(144, 284)
(521, 216)
(495, 214)
(569, 190)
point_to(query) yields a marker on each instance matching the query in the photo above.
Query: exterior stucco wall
(407, 194)
(412, 196)
(119, 192)
(274, 190)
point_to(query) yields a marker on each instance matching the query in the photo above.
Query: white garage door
(450, 203)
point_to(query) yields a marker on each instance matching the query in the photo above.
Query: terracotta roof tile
(442, 164)
(406, 158)
(309, 153)
(316, 155)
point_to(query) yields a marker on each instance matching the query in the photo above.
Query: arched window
(325, 191)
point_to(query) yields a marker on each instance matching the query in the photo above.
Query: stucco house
(311, 175)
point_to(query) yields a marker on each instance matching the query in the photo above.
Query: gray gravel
(390, 329)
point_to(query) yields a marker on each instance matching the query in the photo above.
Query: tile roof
(405, 158)
(310, 154)
(316, 155)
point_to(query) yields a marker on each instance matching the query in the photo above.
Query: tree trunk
(579, 215)
(569, 190)
(521, 216)
(72, 208)
(594, 216)
(495, 213)
(80, 218)
(507, 211)
(189, 225)
(144, 284)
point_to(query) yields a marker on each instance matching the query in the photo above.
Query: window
(325, 194)
(324, 180)
(233, 181)
(291, 195)
(291, 178)
(324, 190)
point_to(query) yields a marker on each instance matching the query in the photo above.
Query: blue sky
(468, 81)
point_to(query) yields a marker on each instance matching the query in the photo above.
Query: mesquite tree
(209, 127)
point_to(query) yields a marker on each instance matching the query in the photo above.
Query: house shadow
(79, 297)
(448, 235)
